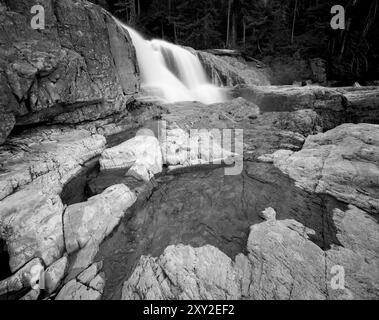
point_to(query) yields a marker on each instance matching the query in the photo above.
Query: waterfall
(171, 72)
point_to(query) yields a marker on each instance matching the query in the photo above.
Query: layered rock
(81, 67)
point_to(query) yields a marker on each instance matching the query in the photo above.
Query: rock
(21, 279)
(305, 122)
(75, 290)
(35, 166)
(231, 71)
(185, 273)
(358, 256)
(141, 151)
(96, 218)
(269, 214)
(89, 274)
(98, 283)
(32, 224)
(85, 65)
(55, 273)
(89, 285)
(341, 162)
(205, 273)
(82, 259)
(32, 295)
(362, 104)
(7, 122)
(326, 102)
(281, 264)
(238, 109)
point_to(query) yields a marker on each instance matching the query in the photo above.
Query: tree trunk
(234, 30)
(244, 32)
(294, 22)
(230, 2)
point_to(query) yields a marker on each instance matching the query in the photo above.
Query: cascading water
(172, 72)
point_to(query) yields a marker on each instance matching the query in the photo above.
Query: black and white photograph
(189, 155)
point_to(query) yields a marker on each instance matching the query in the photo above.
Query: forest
(268, 30)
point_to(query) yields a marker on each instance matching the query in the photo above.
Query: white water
(171, 72)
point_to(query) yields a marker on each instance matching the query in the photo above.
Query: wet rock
(341, 162)
(141, 154)
(96, 218)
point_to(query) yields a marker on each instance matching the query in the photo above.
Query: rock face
(96, 218)
(342, 162)
(231, 71)
(81, 67)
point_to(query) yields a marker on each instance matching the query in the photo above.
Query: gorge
(93, 193)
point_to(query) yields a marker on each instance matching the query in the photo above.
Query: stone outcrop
(342, 162)
(81, 67)
(231, 71)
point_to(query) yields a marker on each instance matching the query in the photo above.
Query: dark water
(206, 207)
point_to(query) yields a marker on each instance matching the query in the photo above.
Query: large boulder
(342, 162)
(81, 61)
